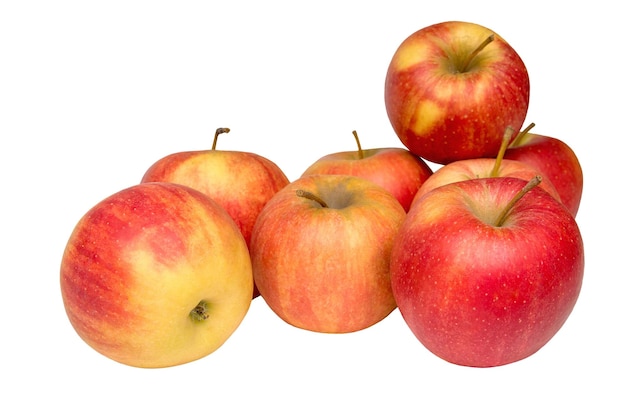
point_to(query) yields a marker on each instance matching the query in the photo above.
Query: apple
(452, 88)
(486, 271)
(320, 252)
(242, 182)
(156, 275)
(467, 169)
(555, 159)
(395, 169)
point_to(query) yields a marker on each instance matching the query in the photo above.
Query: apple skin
(479, 295)
(140, 261)
(443, 113)
(241, 182)
(468, 169)
(326, 269)
(557, 161)
(395, 169)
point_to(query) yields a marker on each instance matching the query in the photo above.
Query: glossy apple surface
(395, 169)
(447, 99)
(156, 275)
(325, 267)
(241, 182)
(480, 292)
(556, 160)
(468, 169)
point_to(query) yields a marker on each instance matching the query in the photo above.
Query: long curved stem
(520, 135)
(529, 186)
(358, 144)
(508, 133)
(475, 52)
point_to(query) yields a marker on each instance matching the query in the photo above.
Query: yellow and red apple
(468, 169)
(395, 169)
(241, 182)
(451, 90)
(156, 275)
(320, 252)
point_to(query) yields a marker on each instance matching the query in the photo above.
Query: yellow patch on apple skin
(480, 87)
(428, 114)
(410, 54)
(168, 291)
(430, 209)
(197, 172)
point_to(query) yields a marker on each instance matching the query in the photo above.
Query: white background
(92, 93)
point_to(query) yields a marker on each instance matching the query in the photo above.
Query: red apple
(242, 182)
(156, 275)
(395, 169)
(452, 89)
(320, 252)
(486, 271)
(467, 169)
(555, 160)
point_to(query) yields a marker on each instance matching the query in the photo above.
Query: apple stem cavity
(200, 312)
(520, 135)
(358, 144)
(529, 186)
(311, 196)
(508, 133)
(218, 132)
(470, 57)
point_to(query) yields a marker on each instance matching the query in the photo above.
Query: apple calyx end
(200, 312)
(358, 144)
(309, 195)
(535, 181)
(218, 132)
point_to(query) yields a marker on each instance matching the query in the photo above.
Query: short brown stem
(475, 52)
(311, 196)
(218, 132)
(529, 186)
(358, 144)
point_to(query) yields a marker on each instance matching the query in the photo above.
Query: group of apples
(482, 256)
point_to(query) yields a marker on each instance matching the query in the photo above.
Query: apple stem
(200, 312)
(508, 133)
(311, 196)
(218, 132)
(520, 135)
(476, 51)
(358, 144)
(529, 186)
